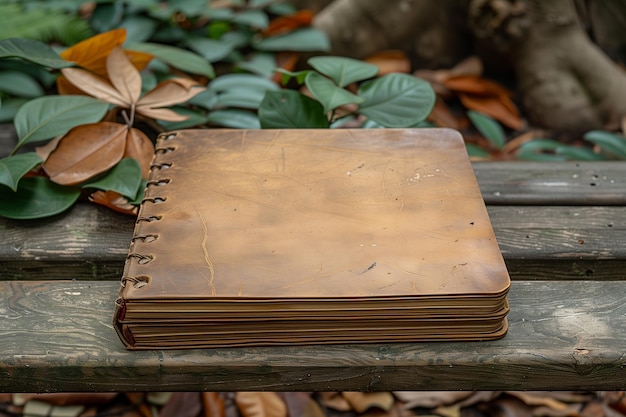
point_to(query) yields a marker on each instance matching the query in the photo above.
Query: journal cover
(249, 226)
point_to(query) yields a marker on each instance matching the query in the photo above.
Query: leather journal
(274, 237)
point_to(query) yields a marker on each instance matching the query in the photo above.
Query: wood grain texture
(542, 183)
(566, 335)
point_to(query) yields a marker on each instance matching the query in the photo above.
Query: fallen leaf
(430, 399)
(289, 23)
(260, 404)
(442, 116)
(182, 404)
(496, 107)
(86, 151)
(141, 148)
(92, 53)
(362, 401)
(167, 93)
(390, 61)
(286, 61)
(335, 400)
(124, 76)
(95, 86)
(213, 404)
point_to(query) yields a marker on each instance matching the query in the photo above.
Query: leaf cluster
(340, 87)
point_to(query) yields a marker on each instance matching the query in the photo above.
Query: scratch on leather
(207, 259)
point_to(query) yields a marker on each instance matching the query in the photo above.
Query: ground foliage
(324, 404)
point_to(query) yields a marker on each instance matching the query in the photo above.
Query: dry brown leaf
(538, 398)
(64, 399)
(260, 404)
(473, 84)
(95, 86)
(182, 404)
(141, 148)
(123, 75)
(430, 399)
(301, 404)
(167, 93)
(471, 65)
(362, 401)
(284, 24)
(442, 116)
(495, 107)
(334, 400)
(213, 404)
(85, 151)
(114, 201)
(390, 61)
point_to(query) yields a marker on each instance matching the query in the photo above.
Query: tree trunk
(565, 82)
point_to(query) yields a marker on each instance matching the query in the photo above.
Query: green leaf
(328, 93)
(138, 28)
(213, 50)
(577, 153)
(178, 58)
(288, 109)
(253, 18)
(302, 40)
(247, 81)
(123, 178)
(609, 142)
(19, 84)
(475, 151)
(488, 127)
(261, 63)
(206, 99)
(237, 119)
(397, 100)
(194, 118)
(33, 51)
(343, 71)
(300, 76)
(13, 168)
(46, 117)
(9, 108)
(36, 197)
(240, 97)
(541, 150)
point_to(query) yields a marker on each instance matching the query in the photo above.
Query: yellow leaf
(86, 151)
(95, 86)
(93, 52)
(139, 147)
(260, 404)
(123, 75)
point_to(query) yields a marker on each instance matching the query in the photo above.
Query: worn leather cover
(239, 224)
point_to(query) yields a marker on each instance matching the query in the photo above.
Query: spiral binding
(162, 149)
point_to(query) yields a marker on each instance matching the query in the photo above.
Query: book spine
(148, 214)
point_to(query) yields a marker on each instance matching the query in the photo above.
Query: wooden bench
(561, 228)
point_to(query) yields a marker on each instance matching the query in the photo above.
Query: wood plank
(542, 183)
(566, 335)
(91, 242)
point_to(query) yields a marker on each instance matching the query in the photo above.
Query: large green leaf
(19, 84)
(343, 71)
(261, 63)
(36, 197)
(328, 93)
(488, 127)
(138, 28)
(176, 57)
(46, 117)
(609, 142)
(33, 51)
(250, 81)
(397, 100)
(288, 109)
(238, 119)
(124, 178)
(253, 18)
(213, 50)
(301, 40)
(9, 108)
(13, 168)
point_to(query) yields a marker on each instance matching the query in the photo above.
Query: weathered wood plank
(563, 335)
(90, 242)
(563, 183)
